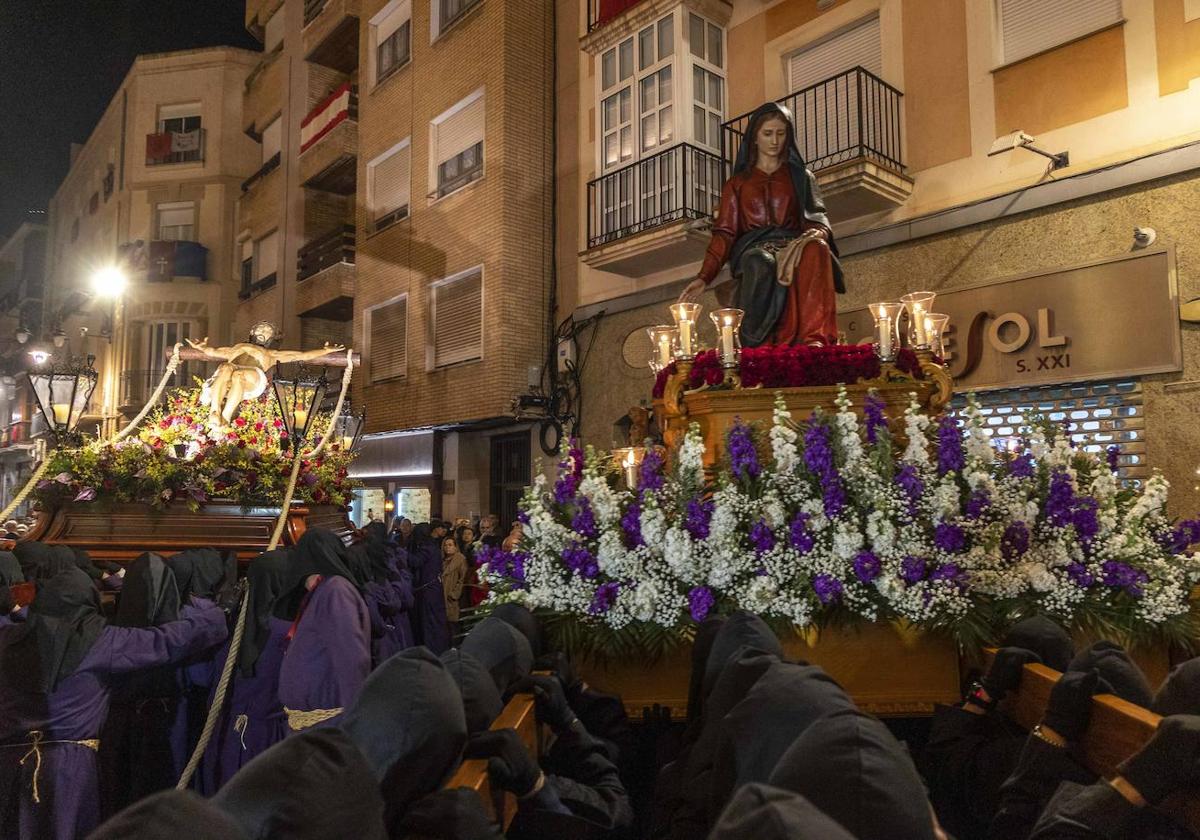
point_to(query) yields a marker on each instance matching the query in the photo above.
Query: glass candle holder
(918, 305)
(729, 343)
(887, 328)
(629, 459)
(686, 314)
(664, 339)
(935, 329)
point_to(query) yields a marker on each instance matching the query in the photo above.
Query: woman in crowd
(328, 654)
(56, 675)
(454, 576)
(431, 627)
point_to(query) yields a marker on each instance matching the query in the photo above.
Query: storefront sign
(1118, 317)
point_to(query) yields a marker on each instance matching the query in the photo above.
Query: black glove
(1170, 760)
(1005, 673)
(453, 814)
(562, 668)
(1070, 706)
(230, 596)
(509, 764)
(552, 706)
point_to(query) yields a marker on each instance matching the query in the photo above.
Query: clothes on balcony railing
(174, 146)
(338, 106)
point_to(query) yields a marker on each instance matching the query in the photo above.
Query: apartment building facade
(152, 192)
(925, 123)
(405, 209)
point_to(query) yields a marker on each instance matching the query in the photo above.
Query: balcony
(329, 143)
(848, 130)
(258, 12)
(175, 147)
(265, 89)
(330, 34)
(258, 207)
(161, 261)
(601, 12)
(138, 385)
(326, 273)
(646, 217)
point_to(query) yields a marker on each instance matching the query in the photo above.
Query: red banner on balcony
(611, 8)
(328, 113)
(158, 147)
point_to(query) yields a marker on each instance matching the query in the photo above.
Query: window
(706, 43)
(457, 145)
(273, 32)
(447, 12)
(387, 339)
(247, 266)
(266, 256)
(1028, 27)
(180, 137)
(161, 337)
(177, 221)
(271, 140)
(391, 38)
(858, 46)
(457, 319)
(179, 119)
(388, 182)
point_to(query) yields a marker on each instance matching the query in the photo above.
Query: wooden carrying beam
(1117, 730)
(500, 805)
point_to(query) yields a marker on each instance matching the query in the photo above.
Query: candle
(727, 349)
(301, 419)
(884, 329)
(664, 349)
(685, 315)
(630, 465)
(919, 324)
(62, 413)
(685, 337)
(347, 442)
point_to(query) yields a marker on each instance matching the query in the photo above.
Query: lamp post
(348, 427)
(299, 399)
(63, 390)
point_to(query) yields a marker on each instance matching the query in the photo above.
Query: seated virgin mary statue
(772, 229)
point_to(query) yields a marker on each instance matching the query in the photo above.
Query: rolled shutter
(390, 182)
(388, 341)
(1028, 27)
(458, 320)
(459, 131)
(856, 47)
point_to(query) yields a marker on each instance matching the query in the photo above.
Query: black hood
(202, 572)
(149, 595)
(408, 721)
(171, 815)
(382, 557)
(742, 629)
(481, 701)
(1118, 674)
(64, 622)
(310, 786)
(502, 650)
(521, 618)
(769, 813)
(1044, 637)
(270, 576)
(1180, 693)
(851, 767)
(322, 552)
(11, 572)
(702, 645)
(783, 703)
(80, 558)
(40, 561)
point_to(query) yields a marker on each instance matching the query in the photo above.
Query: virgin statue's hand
(692, 291)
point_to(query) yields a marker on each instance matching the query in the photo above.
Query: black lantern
(63, 390)
(299, 400)
(348, 427)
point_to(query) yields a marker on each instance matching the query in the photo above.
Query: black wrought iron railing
(263, 171)
(335, 247)
(852, 115)
(682, 182)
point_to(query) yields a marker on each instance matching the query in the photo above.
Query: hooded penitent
(202, 572)
(409, 723)
(81, 559)
(171, 815)
(269, 576)
(481, 701)
(742, 629)
(64, 622)
(763, 812)
(40, 561)
(702, 645)
(1044, 637)
(1180, 693)
(1118, 674)
(501, 649)
(430, 625)
(312, 786)
(322, 552)
(10, 569)
(850, 766)
(521, 618)
(149, 596)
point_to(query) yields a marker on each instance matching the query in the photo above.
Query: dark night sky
(61, 62)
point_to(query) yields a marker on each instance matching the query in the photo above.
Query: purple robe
(329, 656)
(67, 782)
(252, 719)
(388, 607)
(431, 628)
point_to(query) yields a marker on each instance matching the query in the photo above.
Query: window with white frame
(706, 43)
(177, 221)
(447, 12)
(179, 119)
(388, 185)
(457, 322)
(456, 144)
(266, 256)
(161, 338)
(1028, 27)
(391, 38)
(386, 327)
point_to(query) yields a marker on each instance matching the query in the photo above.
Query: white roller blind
(271, 140)
(458, 320)
(388, 340)
(174, 112)
(176, 213)
(391, 18)
(1031, 26)
(458, 129)
(266, 255)
(855, 47)
(390, 181)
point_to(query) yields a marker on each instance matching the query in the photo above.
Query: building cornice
(630, 21)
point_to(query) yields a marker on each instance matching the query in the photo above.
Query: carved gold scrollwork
(675, 387)
(943, 385)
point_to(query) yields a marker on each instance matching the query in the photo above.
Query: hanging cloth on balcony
(185, 141)
(158, 147)
(191, 260)
(162, 261)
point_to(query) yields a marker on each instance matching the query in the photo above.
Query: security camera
(1020, 140)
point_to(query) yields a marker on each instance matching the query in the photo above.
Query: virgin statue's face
(771, 137)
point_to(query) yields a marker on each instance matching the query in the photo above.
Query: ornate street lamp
(348, 427)
(299, 399)
(63, 390)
